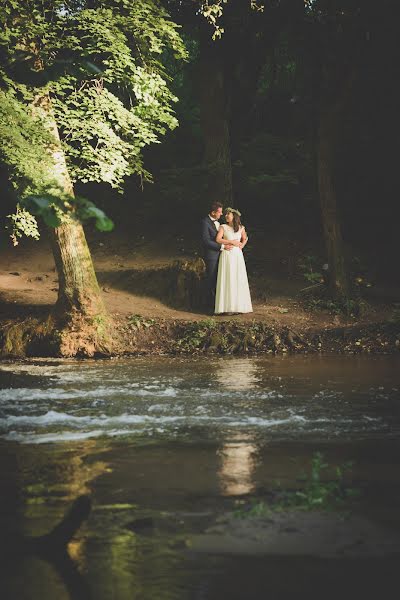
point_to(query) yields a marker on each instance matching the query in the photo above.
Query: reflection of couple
(227, 285)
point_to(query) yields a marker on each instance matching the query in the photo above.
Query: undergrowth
(224, 337)
(316, 494)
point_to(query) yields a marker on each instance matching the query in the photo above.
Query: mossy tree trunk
(80, 314)
(78, 287)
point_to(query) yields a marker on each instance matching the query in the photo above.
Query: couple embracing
(226, 276)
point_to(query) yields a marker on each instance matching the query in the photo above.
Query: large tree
(83, 89)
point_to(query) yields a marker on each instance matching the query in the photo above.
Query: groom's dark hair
(214, 206)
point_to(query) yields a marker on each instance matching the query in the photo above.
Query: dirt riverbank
(134, 277)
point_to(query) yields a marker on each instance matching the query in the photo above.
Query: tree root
(75, 336)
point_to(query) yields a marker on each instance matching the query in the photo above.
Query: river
(164, 445)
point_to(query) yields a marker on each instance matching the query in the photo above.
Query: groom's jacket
(208, 234)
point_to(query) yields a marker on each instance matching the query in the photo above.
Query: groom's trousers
(211, 281)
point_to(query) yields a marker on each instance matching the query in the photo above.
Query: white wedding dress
(232, 294)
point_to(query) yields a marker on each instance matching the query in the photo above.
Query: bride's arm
(220, 239)
(244, 238)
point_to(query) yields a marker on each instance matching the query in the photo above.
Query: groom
(211, 251)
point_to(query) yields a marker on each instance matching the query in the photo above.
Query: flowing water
(177, 442)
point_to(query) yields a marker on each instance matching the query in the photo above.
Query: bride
(233, 294)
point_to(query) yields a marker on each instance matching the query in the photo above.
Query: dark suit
(211, 253)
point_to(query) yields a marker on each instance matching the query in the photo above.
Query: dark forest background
(260, 110)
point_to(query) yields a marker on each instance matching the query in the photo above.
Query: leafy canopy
(102, 65)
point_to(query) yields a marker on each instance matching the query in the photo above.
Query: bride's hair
(236, 223)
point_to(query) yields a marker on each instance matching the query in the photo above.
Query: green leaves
(24, 140)
(87, 210)
(101, 67)
(57, 209)
(22, 223)
(48, 207)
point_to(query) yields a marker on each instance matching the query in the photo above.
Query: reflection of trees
(54, 473)
(51, 550)
(49, 478)
(118, 562)
(238, 462)
(136, 567)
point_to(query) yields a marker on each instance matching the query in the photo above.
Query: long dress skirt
(233, 293)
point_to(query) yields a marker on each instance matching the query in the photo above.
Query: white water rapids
(204, 398)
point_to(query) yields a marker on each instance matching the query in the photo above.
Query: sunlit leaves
(24, 140)
(102, 65)
(22, 223)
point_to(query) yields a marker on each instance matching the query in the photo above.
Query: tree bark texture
(78, 287)
(214, 113)
(79, 310)
(326, 145)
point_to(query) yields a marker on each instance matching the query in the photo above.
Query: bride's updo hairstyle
(236, 224)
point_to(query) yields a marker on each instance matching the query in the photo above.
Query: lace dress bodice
(230, 234)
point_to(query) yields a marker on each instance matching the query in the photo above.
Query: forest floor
(132, 273)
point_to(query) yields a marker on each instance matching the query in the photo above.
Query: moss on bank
(48, 337)
(28, 337)
(137, 335)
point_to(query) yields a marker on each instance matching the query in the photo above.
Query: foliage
(350, 306)
(101, 65)
(213, 10)
(137, 322)
(253, 510)
(317, 494)
(23, 223)
(23, 143)
(196, 335)
(227, 337)
(316, 296)
(309, 266)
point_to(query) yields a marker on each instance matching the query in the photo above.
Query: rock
(299, 533)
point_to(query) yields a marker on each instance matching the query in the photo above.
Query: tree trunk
(80, 315)
(326, 145)
(78, 288)
(214, 112)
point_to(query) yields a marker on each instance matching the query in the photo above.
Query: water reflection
(237, 375)
(237, 456)
(238, 462)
